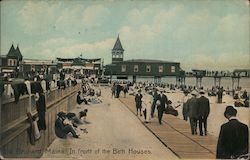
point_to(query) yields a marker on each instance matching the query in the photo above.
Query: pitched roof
(18, 53)
(12, 51)
(118, 45)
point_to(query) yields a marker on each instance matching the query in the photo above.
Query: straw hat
(202, 91)
(194, 93)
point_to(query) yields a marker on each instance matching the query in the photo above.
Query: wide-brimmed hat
(202, 91)
(230, 110)
(194, 93)
(161, 90)
(61, 114)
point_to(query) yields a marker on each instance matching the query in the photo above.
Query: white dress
(146, 104)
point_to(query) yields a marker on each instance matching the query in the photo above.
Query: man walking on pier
(138, 102)
(155, 97)
(161, 108)
(192, 108)
(233, 138)
(184, 106)
(204, 109)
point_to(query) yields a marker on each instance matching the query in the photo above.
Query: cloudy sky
(207, 34)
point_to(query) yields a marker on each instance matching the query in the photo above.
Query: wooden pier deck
(176, 135)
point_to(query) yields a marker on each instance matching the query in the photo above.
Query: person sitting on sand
(83, 114)
(79, 100)
(62, 126)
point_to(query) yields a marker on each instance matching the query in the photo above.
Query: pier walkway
(113, 133)
(175, 134)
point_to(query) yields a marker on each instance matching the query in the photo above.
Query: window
(14, 62)
(10, 62)
(136, 69)
(148, 68)
(123, 68)
(160, 68)
(172, 69)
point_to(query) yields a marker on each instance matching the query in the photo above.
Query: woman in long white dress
(146, 106)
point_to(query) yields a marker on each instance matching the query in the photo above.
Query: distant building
(14, 65)
(32, 67)
(80, 65)
(10, 63)
(139, 67)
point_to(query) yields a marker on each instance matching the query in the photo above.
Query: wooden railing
(14, 139)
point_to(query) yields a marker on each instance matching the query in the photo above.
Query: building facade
(139, 67)
(15, 66)
(10, 63)
(80, 66)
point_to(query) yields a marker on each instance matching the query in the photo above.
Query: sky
(204, 34)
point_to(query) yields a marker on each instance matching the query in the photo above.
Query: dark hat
(230, 110)
(61, 114)
(186, 91)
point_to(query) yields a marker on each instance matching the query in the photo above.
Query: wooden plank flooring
(176, 134)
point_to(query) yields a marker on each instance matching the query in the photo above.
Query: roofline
(146, 61)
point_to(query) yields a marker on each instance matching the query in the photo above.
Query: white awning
(8, 70)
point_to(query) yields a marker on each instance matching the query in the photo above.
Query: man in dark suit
(62, 129)
(161, 108)
(155, 96)
(192, 109)
(203, 111)
(138, 102)
(41, 109)
(233, 138)
(79, 100)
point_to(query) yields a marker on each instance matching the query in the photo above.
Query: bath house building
(121, 68)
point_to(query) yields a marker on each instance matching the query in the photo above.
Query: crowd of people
(233, 138)
(149, 98)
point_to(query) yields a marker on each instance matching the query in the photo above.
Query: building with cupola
(122, 69)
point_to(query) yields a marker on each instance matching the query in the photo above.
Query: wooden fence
(14, 137)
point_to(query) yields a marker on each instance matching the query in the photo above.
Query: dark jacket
(41, 109)
(138, 100)
(203, 106)
(36, 87)
(192, 108)
(59, 126)
(19, 89)
(163, 99)
(155, 97)
(233, 140)
(78, 99)
(41, 104)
